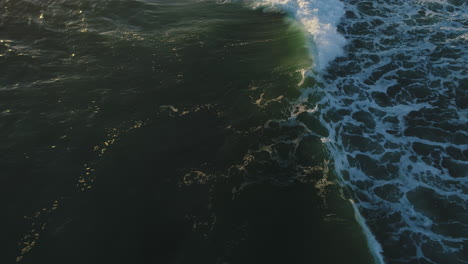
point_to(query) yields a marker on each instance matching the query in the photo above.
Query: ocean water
(260, 131)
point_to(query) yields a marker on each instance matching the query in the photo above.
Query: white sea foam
(400, 140)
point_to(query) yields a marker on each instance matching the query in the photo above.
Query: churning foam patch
(320, 18)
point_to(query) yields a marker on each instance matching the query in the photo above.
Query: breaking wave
(393, 81)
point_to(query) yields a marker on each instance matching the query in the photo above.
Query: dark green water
(156, 132)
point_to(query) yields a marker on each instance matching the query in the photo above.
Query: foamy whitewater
(395, 104)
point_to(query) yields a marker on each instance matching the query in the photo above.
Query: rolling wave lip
(320, 19)
(374, 246)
